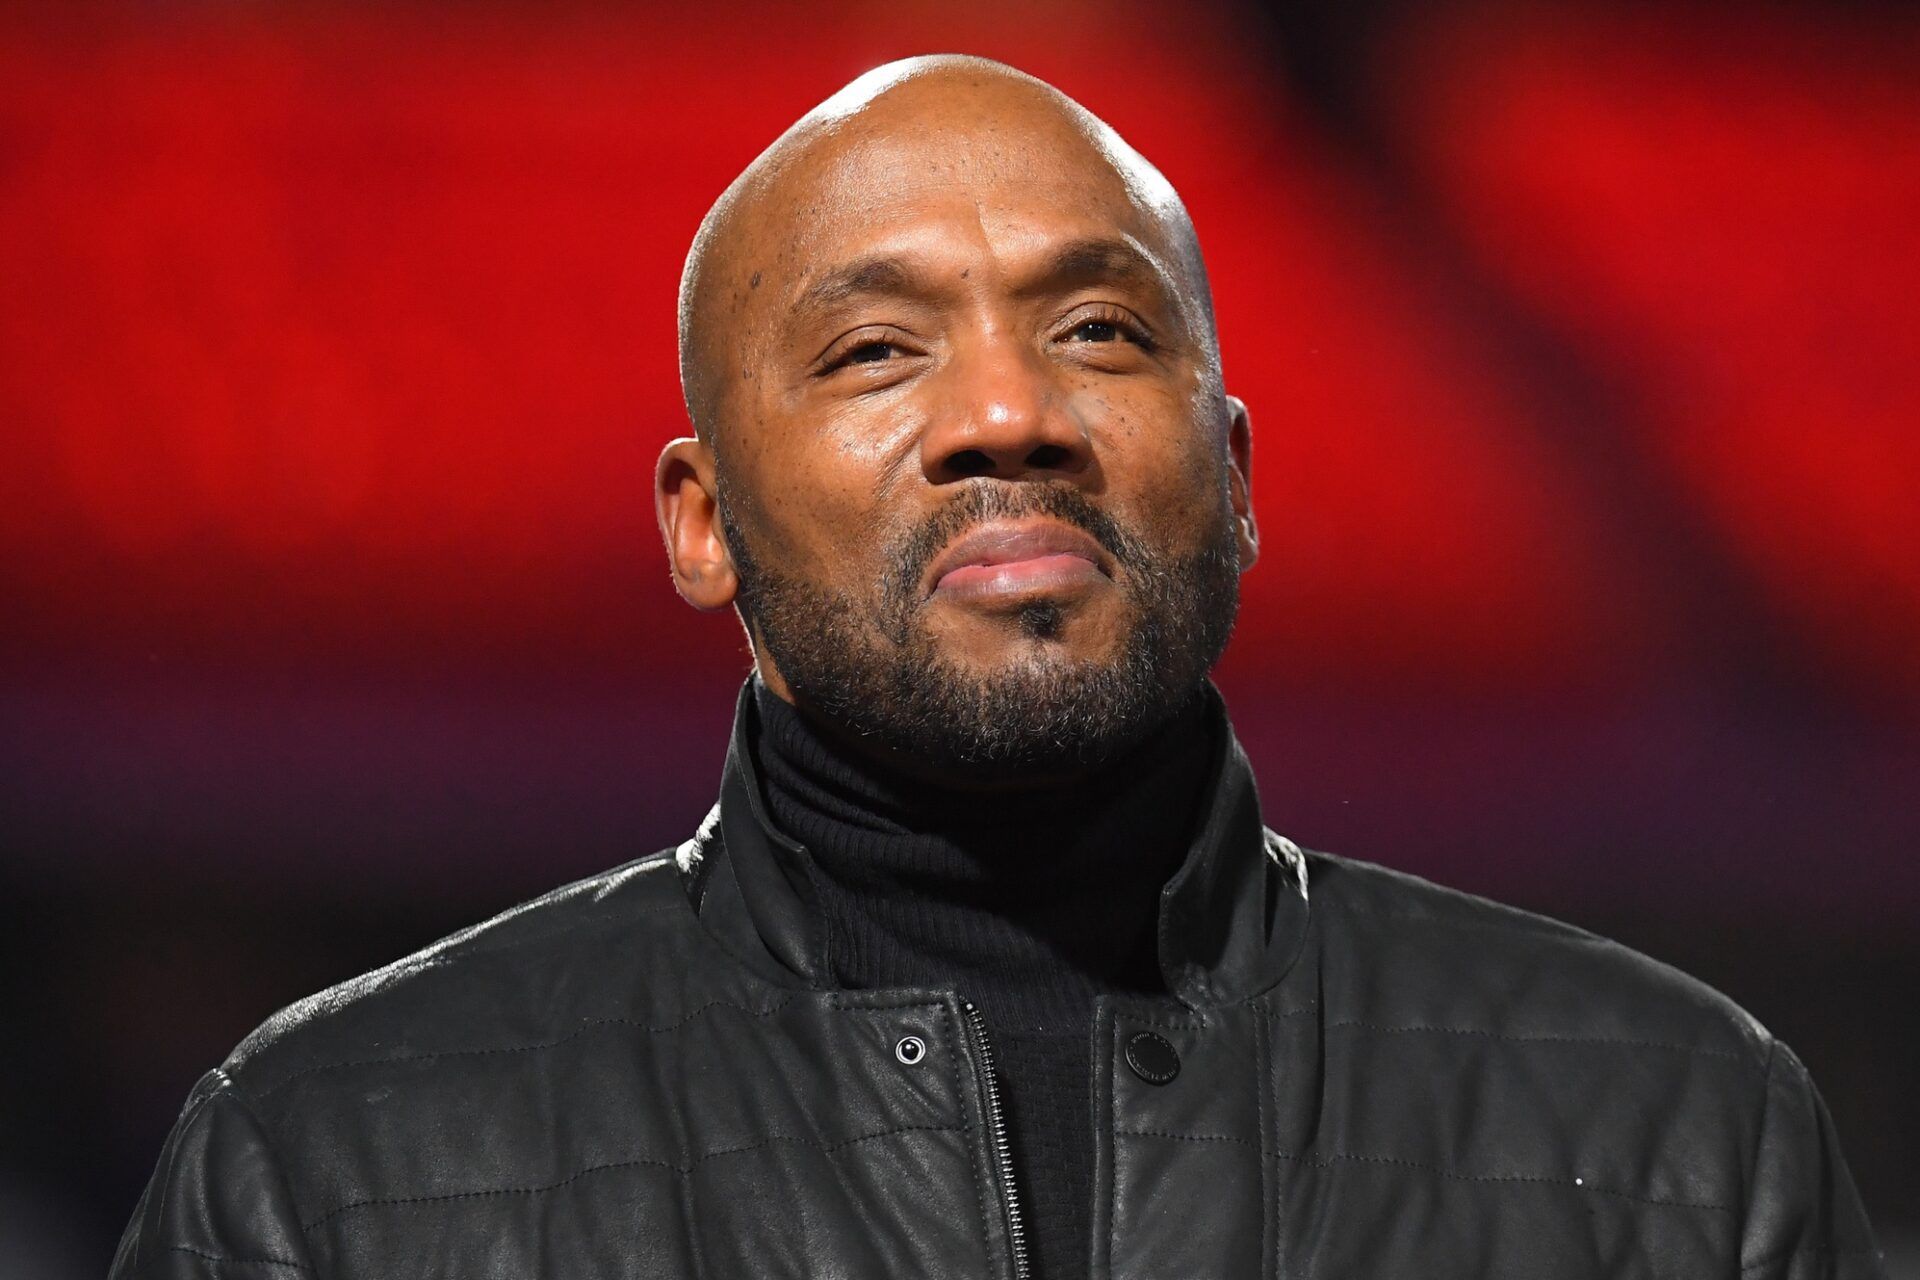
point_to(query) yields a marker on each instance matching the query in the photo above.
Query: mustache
(987, 500)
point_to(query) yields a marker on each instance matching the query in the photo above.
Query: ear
(685, 497)
(1240, 480)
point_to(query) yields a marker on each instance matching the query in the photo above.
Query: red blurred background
(1583, 350)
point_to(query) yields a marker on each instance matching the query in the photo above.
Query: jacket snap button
(1152, 1058)
(910, 1050)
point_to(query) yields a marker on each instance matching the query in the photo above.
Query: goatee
(877, 673)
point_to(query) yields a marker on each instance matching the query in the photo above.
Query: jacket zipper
(1002, 1148)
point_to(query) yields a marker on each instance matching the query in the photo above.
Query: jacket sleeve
(1804, 1220)
(218, 1205)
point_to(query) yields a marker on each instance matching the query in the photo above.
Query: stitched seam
(1759, 1138)
(1784, 1254)
(1100, 1114)
(266, 1140)
(1277, 1015)
(1113, 1182)
(966, 1128)
(1142, 1020)
(1545, 1039)
(593, 1025)
(637, 1162)
(1455, 1176)
(1193, 1137)
(456, 948)
(173, 1155)
(1516, 929)
(1327, 1161)
(694, 1250)
(836, 1001)
(221, 1260)
(1262, 1077)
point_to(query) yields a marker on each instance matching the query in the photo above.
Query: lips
(1004, 557)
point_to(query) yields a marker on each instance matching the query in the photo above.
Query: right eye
(872, 345)
(870, 353)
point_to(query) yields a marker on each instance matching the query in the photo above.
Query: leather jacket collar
(1232, 919)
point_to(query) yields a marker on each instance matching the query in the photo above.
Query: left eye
(1095, 331)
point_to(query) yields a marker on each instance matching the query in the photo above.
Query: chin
(1038, 629)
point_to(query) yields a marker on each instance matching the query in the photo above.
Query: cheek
(873, 439)
(1160, 456)
(850, 449)
(798, 525)
(814, 500)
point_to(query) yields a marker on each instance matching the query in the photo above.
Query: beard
(874, 669)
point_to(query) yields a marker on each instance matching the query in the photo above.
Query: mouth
(1015, 558)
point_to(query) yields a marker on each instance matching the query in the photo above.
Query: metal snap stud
(910, 1050)
(1152, 1058)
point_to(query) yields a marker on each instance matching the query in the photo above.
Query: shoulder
(1497, 1048)
(606, 946)
(1403, 951)
(451, 1064)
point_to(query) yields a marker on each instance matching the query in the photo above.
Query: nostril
(1047, 457)
(970, 462)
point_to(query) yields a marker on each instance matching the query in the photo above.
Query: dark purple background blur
(336, 344)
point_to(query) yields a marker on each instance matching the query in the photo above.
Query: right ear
(685, 497)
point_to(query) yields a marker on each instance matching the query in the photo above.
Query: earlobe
(685, 498)
(1240, 480)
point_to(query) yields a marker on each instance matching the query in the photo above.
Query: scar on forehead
(755, 282)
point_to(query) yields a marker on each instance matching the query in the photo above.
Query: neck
(905, 772)
(1031, 900)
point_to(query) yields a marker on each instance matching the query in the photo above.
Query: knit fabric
(1030, 904)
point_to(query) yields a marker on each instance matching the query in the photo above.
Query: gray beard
(869, 669)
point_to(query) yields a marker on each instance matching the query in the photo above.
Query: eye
(872, 345)
(1107, 325)
(1095, 331)
(870, 353)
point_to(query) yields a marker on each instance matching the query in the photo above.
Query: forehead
(978, 183)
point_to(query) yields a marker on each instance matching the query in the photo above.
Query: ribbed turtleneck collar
(1030, 903)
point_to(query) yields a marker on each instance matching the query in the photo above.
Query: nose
(1005, 416)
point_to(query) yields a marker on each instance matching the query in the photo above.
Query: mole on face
(1041, 620)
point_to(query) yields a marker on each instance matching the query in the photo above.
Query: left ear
(1240, 480)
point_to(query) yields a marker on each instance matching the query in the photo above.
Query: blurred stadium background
(336, 344)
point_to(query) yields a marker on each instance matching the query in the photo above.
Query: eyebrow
(1077, 262)
(1097, 259)
(860, 278)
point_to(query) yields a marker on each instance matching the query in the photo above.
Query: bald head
(936, 126)
(966, 466)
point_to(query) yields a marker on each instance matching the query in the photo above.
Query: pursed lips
(1015, 556)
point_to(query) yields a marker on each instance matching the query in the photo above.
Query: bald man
(984, 964)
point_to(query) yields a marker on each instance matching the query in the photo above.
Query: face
(979, 496)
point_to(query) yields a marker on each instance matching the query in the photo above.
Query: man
(984, 964)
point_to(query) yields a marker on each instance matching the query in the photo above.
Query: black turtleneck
(1029, 904)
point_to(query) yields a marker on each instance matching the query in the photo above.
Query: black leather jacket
(651, 1074)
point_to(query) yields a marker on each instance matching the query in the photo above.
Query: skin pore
(963, 458)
